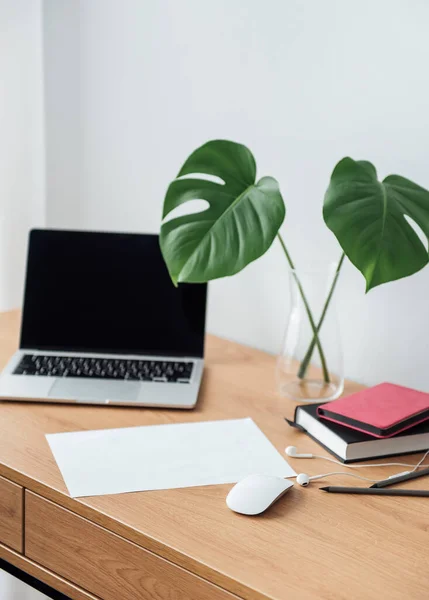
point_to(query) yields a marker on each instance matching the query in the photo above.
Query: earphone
(293, 452)
(304, 479)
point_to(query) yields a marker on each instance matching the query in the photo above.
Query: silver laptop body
(103, 324)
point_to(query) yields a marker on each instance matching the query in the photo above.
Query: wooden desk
(185, 544)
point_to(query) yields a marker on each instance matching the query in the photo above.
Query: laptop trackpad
(94, 389)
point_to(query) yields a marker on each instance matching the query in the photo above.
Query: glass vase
(310, 366)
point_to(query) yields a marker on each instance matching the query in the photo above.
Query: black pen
(400, 478)
(375, 491)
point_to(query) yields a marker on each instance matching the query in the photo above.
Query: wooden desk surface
(310, 545)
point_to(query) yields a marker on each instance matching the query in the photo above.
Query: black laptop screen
(108, 292)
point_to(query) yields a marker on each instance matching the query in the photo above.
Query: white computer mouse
(256, 493)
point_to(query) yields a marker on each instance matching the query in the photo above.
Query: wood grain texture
(44, 575)
(11, 514)
(104, 563)
(310, 545)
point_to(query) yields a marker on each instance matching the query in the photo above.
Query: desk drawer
(104, 563)
(11, 514)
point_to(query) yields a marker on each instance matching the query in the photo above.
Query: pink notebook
(381, 411)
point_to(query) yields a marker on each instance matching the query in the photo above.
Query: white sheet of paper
(157, 457)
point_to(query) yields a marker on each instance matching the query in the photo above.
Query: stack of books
(386, 420)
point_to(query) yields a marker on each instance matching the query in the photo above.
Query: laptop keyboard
(105, 368)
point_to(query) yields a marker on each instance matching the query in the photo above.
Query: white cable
(394, 464)
(312, 478)
(419, 464)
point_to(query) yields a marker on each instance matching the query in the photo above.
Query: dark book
(349, 445)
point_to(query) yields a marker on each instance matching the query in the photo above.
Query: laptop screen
(108, 292)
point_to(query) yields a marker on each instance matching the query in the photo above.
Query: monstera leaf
(240, 223)
(368, 218)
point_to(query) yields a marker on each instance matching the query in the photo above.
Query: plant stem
(306, 360)
(308, 311)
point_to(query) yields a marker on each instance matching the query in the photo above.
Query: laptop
(102, 323)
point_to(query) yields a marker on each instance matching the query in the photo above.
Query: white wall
(12, 588)
(301, 83)
(63, 127)
(21, 139)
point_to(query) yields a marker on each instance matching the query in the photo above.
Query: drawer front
(104, 563)
(42, 575)
(11, 514)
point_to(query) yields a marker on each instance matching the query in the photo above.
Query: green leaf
(239, 224)
(368, 218)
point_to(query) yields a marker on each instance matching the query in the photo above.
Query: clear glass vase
(310, 366)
